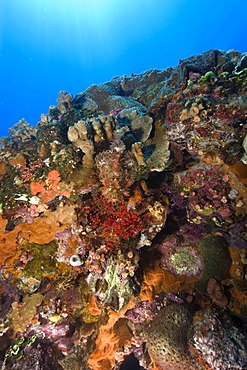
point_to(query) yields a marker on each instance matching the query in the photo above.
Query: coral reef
(123, 224)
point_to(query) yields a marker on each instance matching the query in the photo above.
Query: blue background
(52, 45)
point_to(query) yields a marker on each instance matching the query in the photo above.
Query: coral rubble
(123, 224)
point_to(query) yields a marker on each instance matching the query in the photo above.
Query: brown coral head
(216, 292)
(211, 157)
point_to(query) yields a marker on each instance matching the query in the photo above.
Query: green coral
(15, 351)
(181, 260)
(42, 262)
(209, 77)
(185, 261)
(234, 80)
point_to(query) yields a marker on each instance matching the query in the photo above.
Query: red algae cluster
(123, 227)
(112, 219)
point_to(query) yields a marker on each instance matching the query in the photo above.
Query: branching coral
(22, 131)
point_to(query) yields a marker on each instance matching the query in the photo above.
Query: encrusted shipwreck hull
(123, 224)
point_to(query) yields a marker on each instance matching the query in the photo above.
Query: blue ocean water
(52, 45)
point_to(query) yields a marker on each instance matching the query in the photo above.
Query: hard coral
(168, 337)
